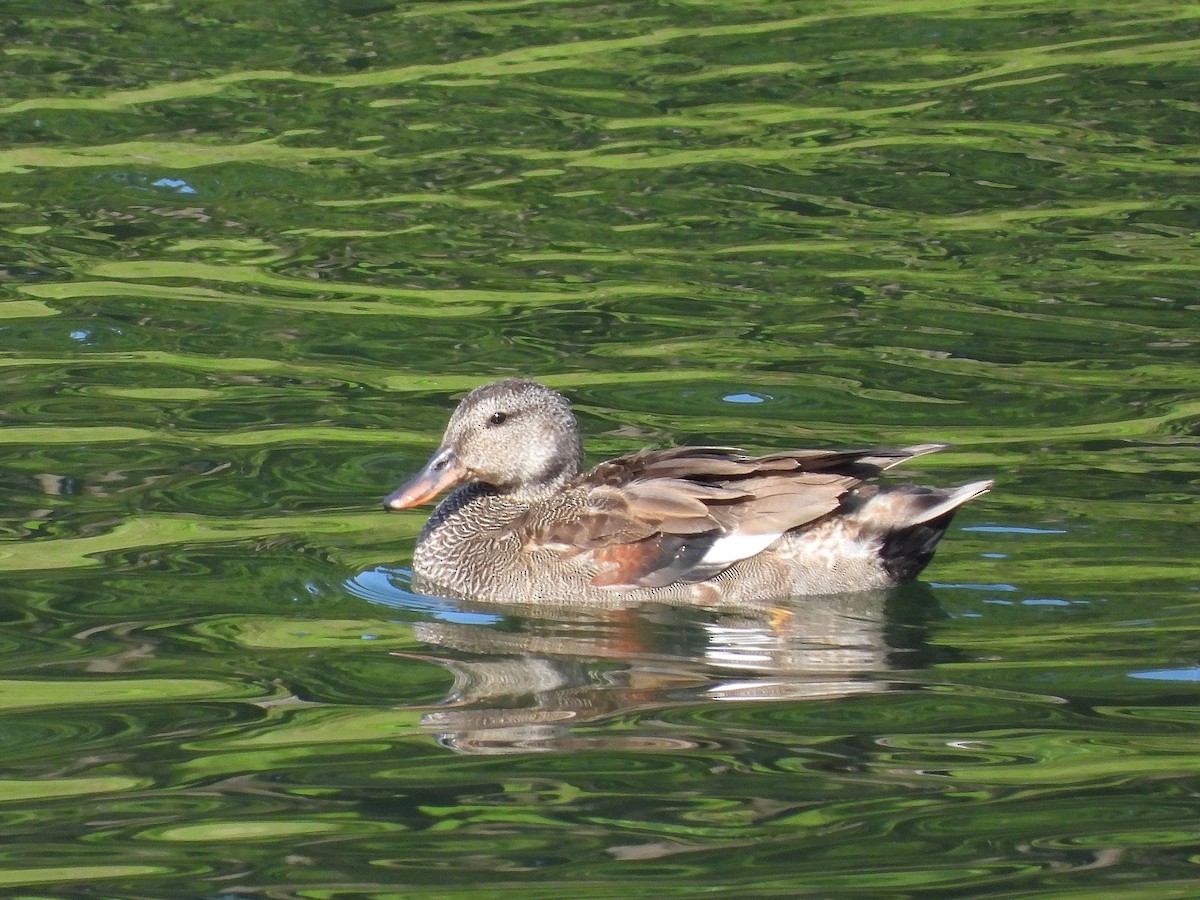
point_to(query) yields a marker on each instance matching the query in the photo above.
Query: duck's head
(517, 436)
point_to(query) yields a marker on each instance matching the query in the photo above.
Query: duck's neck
(544, 469)
(468, 510)
(534, 491)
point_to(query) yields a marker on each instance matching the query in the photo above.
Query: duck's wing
(684, 515)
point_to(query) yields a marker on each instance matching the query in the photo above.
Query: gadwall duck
(702, 524)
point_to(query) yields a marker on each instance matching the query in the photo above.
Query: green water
(251, 254)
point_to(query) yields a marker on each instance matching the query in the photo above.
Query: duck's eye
(498, 418)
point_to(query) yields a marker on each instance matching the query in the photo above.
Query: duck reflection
(532, 677)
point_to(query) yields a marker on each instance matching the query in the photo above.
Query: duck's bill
(443, 471)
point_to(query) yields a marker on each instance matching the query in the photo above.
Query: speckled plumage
(700, 524)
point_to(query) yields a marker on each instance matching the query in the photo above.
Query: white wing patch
(727, 550)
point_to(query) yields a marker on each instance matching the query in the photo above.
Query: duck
(526, 522)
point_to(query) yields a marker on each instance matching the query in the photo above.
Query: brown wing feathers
(651, 518)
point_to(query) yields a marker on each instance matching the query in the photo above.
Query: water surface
(254, 254)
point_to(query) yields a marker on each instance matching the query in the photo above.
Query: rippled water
(253, 253)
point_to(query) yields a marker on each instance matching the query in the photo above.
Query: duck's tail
(910, 520)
